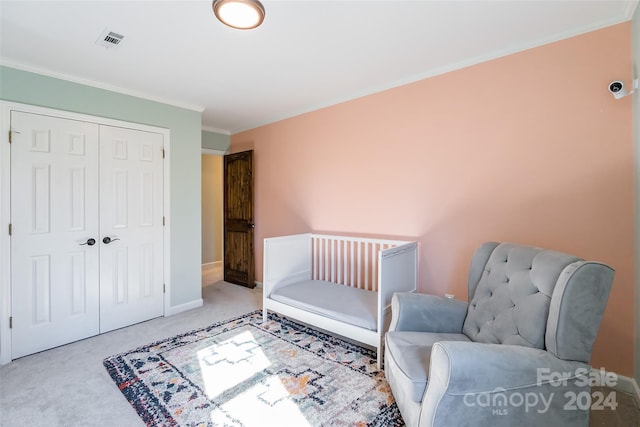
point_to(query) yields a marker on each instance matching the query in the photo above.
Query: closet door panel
(131, 229)
(54, 213)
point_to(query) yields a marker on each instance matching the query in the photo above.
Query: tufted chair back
(533, 297)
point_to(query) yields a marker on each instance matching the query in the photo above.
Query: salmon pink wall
(528, 148)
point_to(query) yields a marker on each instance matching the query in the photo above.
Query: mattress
(354, 306)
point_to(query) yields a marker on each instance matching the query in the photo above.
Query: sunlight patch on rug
(224, 365)
(242, 372)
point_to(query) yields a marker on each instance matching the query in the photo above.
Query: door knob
(108, 240)
(251, 225)
(89, 242)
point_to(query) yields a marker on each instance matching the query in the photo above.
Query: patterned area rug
(242, 372)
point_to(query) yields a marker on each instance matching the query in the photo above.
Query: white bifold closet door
(54, 212)
(87, 237)
(131, 268)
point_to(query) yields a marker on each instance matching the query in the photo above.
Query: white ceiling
(306, 55)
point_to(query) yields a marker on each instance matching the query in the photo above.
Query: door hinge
(10, 229)
(11, 322)
(163, 221)
(163, 153)
(164, 288)
(11, 132)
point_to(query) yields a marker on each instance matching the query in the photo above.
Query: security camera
(617, 89)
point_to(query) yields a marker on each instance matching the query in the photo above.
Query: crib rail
(349, 261)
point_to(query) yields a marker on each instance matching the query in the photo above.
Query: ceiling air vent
(109, 39)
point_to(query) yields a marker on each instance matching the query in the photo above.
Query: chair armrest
(477, 367)
(465, 375)
(427, 313)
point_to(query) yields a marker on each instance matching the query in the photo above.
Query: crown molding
(74, 79)
(216, 130)
(631, 9)
(448, 68)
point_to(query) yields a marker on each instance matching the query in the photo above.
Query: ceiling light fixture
(240, 14)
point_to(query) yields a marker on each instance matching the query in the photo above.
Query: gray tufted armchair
(516, 354)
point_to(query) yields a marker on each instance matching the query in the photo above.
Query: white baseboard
(212, 264)
(258, 284)
(183, 307)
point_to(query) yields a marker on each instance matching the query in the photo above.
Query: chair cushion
(510, 303)
(410, 352)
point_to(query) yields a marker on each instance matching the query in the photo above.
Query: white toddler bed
(340, 284)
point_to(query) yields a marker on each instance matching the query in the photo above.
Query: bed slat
(348, 261)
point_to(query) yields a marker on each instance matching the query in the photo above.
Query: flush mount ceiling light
(240, 14)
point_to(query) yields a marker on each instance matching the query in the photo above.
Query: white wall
(635, 40)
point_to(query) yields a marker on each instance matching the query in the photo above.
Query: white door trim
(211, 151)
(5, 205)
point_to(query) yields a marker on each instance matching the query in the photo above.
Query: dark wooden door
(239, 264)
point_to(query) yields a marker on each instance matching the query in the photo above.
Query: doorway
(239, 256)
(212, 220)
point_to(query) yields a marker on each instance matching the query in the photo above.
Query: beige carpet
(68, 386)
